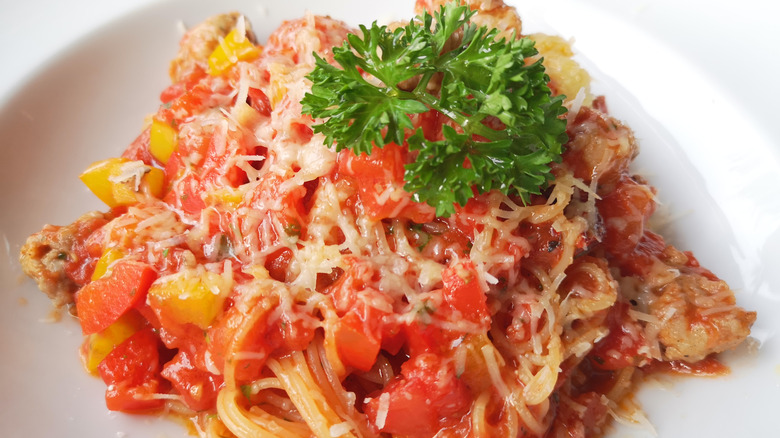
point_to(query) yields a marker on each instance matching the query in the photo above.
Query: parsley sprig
(367, 103)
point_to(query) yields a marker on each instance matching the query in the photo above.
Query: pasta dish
(345, 232)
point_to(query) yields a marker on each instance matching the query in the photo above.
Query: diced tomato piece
(358, 339)
(620, 348)
(380, 181)
(464, 218)
(198, 96)
(185, 194)
(289, 210)
(625, 211)
(178, 89)
(277, 263)
(463, 293)
(197, 387)
(426, 396)
(131, 372)
(640, 260)
(101, 302)
(244, 332)
(290, 334)
(393, 337)
(139, 149)
(259, 101)
(360, 329)
(344, 291)
(427, 338)
(464, 300)
(431, 123)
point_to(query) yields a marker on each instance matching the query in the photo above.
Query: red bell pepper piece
(101, 302)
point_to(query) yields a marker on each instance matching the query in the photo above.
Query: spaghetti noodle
(262, 284)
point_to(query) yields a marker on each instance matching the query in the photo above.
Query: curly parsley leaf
(367, 103)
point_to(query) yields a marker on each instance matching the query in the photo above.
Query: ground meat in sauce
(48, 254)
(697, 312)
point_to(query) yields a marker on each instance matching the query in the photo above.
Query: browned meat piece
(198, 43)
(698, 316)
(491, 13)
(50, 256)
(599, 147)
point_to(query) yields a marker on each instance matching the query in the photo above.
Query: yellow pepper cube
(96, 178)
(154, 182)
(162, 140)
(119, 181)
(108, 257)
(233, 48)
(190, 297)
(98, 345)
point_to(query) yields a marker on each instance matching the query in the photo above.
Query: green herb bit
(246, 390)
(482, 79)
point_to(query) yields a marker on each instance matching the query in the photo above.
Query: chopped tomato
(219, 164)
(259, 101)
(198, 94)
(464, 217)
(198, 388)
(427, 338)
(625, 211)
(237, 331)
(358, 339)
(185, 193)
(640, 260)
(286, 205)
(101, 302)
(420, 399)
(463, 300)
(360, 329)
(620, 348)
(380, 181)
(177, 89)
(290, 334)
(463, 293)
(131, 372)
(139, 149)
(277, 263)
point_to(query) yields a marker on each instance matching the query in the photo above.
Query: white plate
(77, 80)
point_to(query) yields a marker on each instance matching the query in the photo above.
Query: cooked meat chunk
(599, 147)
(699, 317)
(198, 43)
(491, 13)
(50, 256)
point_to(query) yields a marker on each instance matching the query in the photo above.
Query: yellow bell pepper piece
(233, 48)
(109, 256)
(96, 179)
(162, 140)
(227, 196)
(98, 345)
(113, 180)
(155, 181)
(194, 297)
